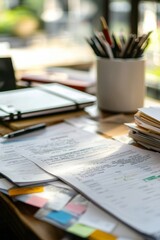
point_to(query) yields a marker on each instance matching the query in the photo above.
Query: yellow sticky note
(25, 190)
(99, 235)
(80, 230)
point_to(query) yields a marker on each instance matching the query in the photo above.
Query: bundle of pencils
(109, 46)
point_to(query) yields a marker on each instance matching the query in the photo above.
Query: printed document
(122, 179)
(19, 169)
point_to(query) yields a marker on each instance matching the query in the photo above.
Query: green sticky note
(81, 230)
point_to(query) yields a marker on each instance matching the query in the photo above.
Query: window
(140, 17)
(119, 16)
(24, 20)
(149, 20)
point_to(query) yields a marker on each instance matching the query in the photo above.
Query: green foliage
(10, 18)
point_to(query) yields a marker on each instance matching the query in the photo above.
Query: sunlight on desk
(55, 52)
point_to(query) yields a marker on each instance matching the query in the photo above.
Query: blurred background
(56, 31)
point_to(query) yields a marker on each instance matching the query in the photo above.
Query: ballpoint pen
(109, 50)
(141, 51)
(132, 47)
(101, 43)
(129, 41)
(144, 38)
(25, 131)
(116, 48)
(94, 47)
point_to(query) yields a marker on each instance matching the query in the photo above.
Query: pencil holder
(120, 84)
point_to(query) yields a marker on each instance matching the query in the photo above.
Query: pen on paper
(25, 131)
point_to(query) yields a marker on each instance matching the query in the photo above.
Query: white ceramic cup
(120, 84)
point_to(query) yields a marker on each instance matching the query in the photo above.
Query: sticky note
(60, 217)
(25, 190)
(99, 235)
(81, 230)
(76, 208)
(36, 201)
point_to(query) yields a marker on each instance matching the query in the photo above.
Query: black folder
(7, 75)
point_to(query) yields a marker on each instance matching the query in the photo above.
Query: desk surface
(19, 217)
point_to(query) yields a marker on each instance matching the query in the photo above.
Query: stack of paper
(146, 129)
(83, 155)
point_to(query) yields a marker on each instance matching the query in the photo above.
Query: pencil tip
(103, 22)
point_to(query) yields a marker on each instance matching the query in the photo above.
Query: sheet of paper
(130, 192)
(5, 184)
(149, 147)
(124, 232)
(60, 198)
(19, 169)
(141, 137)
(62, 141)
(110, 173)
(142, 130)
(153, 112)
(98, 219)
(147, 126)
(61, 184)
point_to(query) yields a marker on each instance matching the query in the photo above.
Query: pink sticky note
(76, 208)
(37, 201)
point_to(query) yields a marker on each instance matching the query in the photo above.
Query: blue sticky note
(60, 217)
